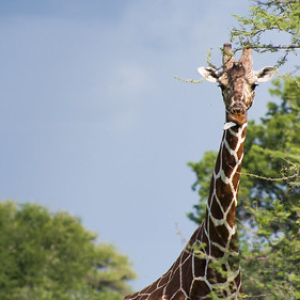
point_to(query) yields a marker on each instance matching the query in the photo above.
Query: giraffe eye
(222, 86)
(253, 86)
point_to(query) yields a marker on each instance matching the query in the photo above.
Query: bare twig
(280, 47)
(189, 80)
(269, 178)
(179, 232)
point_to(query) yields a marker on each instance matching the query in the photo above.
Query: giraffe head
(237, 82)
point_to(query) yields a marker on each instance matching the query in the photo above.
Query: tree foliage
(46, 256)
(268, 212)
(266, 18)
(273, 256)
(269, 198)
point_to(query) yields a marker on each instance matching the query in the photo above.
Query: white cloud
(127, 83)
(126, 87)
(122, 92)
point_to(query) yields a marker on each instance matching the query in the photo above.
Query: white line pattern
(193, 272)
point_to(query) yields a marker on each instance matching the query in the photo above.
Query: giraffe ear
(209, 73)
(265, 74)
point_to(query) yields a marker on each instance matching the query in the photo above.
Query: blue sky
(93, 122)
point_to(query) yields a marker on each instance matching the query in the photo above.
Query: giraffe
(208, 267)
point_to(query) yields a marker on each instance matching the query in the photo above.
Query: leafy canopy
(275, 19)
(269, 203)
(46, 256)
(268, 211)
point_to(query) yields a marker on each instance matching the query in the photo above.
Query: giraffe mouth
(237, 109)
(237, 114)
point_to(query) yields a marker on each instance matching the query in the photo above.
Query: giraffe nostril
(237, 110)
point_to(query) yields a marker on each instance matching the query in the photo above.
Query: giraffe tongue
(228, 125)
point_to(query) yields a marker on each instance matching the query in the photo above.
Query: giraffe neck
(219, 224)
(207, 268)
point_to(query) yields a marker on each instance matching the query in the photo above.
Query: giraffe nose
(237, 109)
